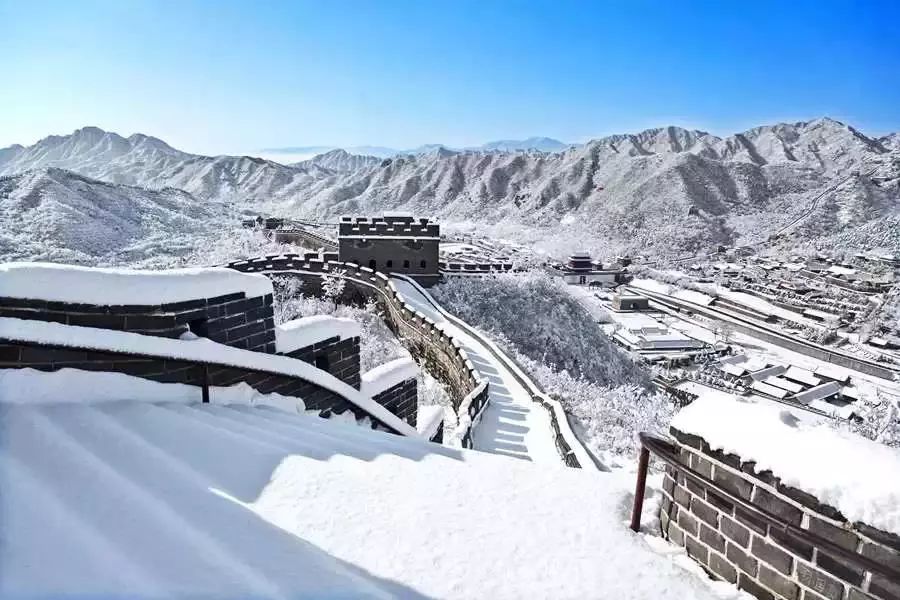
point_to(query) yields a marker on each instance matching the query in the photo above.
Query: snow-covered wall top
(307, 331)
(386, 376)
(109, 287)
(856, 476)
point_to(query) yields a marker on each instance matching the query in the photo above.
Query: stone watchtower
(392, 244)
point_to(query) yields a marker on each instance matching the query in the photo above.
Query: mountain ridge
(661, 191)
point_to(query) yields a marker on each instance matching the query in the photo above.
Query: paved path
(512, 424)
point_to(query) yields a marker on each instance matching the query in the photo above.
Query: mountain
(151, 163)
(542, 144)
(340, 161)
(56, 215)
(663, 191)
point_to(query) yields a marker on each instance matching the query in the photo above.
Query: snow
(820, 392)
(307, 331)
(386, 376)
(110, 287)
(855, 475)
(73, 386)
(802, 375)
(512, 423)
(169, 500)
(200, 350)
(428, 418)
(766, 388)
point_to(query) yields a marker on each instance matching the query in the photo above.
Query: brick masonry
(401, 400)
(440, 354)
(231, 319)
(769, 563)
(50, 358)
(338, 357)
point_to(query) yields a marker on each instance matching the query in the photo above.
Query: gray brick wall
(14, 355)
(769, 563)
(231, 319)
(338, 357)
(401, 400)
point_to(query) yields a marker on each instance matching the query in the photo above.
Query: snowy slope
(665, 191)
(173, 501)
(51, 214)
(148, 162)
(340, 161)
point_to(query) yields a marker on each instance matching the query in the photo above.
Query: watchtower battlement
(391, 226)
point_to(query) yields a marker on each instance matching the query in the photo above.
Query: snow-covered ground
(512, 423)
(163, 500)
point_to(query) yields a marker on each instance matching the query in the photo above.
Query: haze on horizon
(234, 77)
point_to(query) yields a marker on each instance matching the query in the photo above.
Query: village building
(580, 269)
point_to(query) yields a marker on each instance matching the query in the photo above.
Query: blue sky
(229, 77)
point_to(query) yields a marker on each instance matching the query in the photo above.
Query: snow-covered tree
(535, 319)
(879, 421)
(333, 285)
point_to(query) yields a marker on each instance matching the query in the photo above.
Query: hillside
(664, 191)
(55, 215)
(149, 162)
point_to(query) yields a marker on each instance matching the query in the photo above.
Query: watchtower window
(423, 264)
(321, 362)
(199, 327)
(405, 264)
(372, 264)
(390, 264)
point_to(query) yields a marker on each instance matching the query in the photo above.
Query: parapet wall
(387, 226)
(162, 369)
(401, 400)
(338, 357)
(232, 319)
(759, 555)
(441, 355)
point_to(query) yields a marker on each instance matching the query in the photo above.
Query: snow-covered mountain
(542, 144)
(149, 162)
(665, 190)
(661, 191)
(56, 215)
(340, 161)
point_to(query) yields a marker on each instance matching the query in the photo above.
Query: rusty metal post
(643, 463)
(205, 384)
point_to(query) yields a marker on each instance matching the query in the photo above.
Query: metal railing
(668, 453)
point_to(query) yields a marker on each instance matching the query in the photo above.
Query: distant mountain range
(541, 144)
(663, 191)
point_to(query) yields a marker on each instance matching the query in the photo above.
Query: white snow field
(854, 475)
(174, 500)
(512, 423)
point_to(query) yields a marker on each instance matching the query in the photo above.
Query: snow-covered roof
(111, 287)
(310, 330)
(784, 384)
(733, 369)
(771, 390)
(803, 376)
(820, 392)
(772, 371)
(131, 500)
(833, 372)
(855, 475)
(386, 376)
